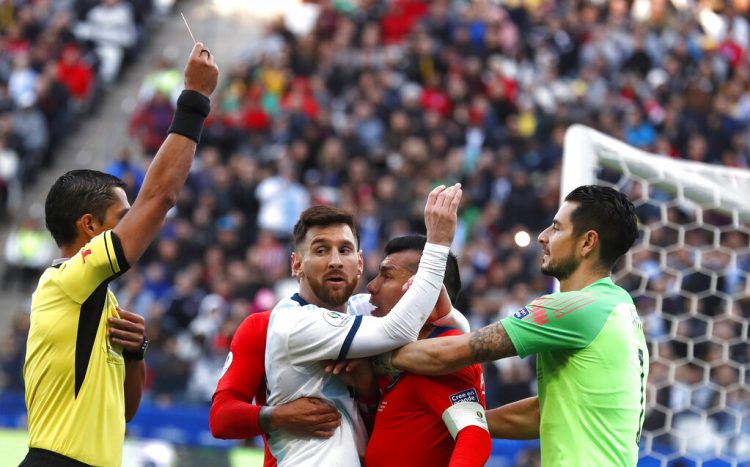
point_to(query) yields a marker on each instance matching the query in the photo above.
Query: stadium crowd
(56, 58)
(376, 105)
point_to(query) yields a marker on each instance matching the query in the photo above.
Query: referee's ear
(88, 226)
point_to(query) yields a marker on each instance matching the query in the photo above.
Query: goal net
(688, 275)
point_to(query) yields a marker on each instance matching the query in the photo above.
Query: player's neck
(581, 278)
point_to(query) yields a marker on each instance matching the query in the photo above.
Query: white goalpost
(689, 275)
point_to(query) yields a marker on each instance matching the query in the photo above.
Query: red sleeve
(473, 447)
(233, 415)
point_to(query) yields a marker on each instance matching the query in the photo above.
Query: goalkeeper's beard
(561, 269)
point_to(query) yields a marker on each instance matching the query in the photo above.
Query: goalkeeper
(592, 362)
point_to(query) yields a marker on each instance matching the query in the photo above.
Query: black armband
(192, 109)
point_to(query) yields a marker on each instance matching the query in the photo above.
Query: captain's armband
(463, 414)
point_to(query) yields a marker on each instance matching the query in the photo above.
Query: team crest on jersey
(467, 395)
(227, 364)
(522, 313)
(337, 319)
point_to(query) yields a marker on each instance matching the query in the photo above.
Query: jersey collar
(58, 261)
(302, 302)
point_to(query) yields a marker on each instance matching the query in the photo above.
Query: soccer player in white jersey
(328, 264)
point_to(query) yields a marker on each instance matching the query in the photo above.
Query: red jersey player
(424, 420)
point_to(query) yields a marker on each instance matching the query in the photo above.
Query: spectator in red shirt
(75, 73)
(150, 122)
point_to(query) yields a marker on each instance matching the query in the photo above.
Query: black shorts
(43, 458)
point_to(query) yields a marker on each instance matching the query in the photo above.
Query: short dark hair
(608, 212)
(416, 242)
(322, 216)
(75, 194)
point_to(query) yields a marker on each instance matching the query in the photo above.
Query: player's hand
(306, 417)
(128, 330)
(442, 307)
(201, 72)
(441, 214)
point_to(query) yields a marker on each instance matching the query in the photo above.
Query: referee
(84, 369)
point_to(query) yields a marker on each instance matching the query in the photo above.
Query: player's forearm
(409, 315)
(135, 380)
(402, 324)
(517, 420)
(434, 356)
(233, 418)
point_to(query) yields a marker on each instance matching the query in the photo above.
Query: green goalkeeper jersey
(592, 366)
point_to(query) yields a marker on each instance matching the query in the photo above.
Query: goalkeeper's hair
(609, 213)
(416, 242)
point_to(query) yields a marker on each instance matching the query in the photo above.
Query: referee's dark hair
(75, 194)
(416, 242)
(609, 213)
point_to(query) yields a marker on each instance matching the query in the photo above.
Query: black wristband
(138, 354)
(192, 108)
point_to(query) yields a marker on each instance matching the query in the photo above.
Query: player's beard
(329, 297)
(562, 268)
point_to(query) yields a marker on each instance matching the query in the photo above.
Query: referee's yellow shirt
(74, 376)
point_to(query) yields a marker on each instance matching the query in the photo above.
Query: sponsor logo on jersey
(337, 319)
(467, 395)
(522, 313)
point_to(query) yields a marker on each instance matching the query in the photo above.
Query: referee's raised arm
(169, 169)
